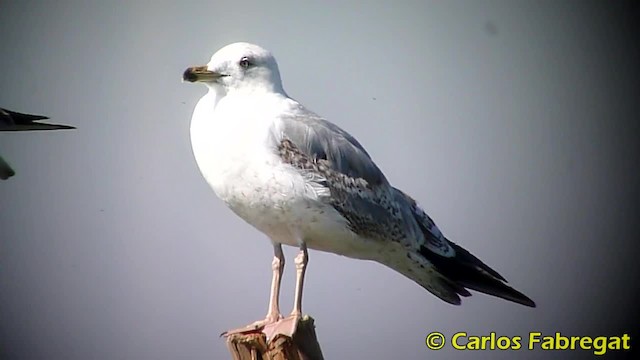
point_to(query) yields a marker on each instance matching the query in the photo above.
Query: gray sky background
(512, 122)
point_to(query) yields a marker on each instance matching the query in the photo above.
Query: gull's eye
(245, 63)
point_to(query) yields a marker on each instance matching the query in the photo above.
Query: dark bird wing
(16, 121)
(5, 170)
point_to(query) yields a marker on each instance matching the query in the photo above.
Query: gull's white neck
(229, 132)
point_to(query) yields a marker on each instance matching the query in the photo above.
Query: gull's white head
(238, 67)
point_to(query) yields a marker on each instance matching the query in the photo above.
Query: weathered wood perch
(303, 346)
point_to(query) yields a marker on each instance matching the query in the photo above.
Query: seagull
(15, 121)
(305, 182)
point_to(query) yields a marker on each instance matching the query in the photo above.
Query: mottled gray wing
(322, 140)
(358, 190)
(434, 241)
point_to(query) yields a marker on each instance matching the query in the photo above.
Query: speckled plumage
(368, 209)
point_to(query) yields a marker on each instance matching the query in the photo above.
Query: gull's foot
(255, 327)
(286, 326)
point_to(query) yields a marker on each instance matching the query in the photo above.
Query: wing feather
(15, 121)
(358, 190)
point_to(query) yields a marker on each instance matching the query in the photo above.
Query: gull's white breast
(235, 148)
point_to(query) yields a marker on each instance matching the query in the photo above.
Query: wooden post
(254, 346)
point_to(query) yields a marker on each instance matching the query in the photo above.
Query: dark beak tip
(189, 76)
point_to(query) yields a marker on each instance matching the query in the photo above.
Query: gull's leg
(288, 325)
(301, 266)
(273, 314)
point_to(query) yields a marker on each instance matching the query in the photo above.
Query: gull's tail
(446, 269)
(449, 277)
(467, 271)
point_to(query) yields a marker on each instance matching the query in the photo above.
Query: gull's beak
(200, 74)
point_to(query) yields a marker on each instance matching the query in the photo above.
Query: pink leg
(273, 314)
(301, 266)
(277, 265)
(287, 326)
